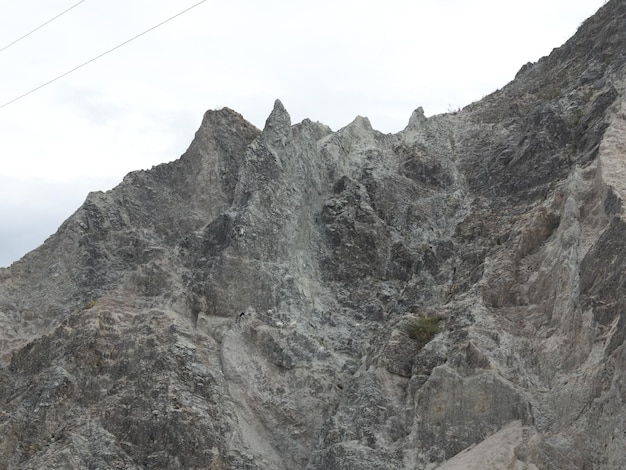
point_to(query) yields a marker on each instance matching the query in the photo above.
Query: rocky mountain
(450, 296)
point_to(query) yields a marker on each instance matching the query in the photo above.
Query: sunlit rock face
(302, 298)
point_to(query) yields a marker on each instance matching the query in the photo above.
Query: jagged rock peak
(361, 122)
(223, 118)
(278, 124)
(223, 128)
(417, 119)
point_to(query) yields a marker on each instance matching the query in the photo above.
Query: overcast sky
(141, 104)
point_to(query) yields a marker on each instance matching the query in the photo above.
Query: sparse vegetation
(578, 115)
(423, 329)
(90, 304)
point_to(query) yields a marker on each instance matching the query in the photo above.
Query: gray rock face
(296, 298)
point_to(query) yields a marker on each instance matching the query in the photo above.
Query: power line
(41, 26)
(100, 55)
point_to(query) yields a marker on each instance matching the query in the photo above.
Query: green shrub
(423, 329)
(90, 304)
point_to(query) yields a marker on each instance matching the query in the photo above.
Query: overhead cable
(100, 55)
(41, 26)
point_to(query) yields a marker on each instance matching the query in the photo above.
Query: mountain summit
(448, 297)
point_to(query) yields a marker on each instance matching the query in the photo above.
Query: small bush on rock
(424, 329)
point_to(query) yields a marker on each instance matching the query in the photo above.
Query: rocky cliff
(446, 297)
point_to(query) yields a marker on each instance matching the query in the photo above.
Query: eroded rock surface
(257, 303)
